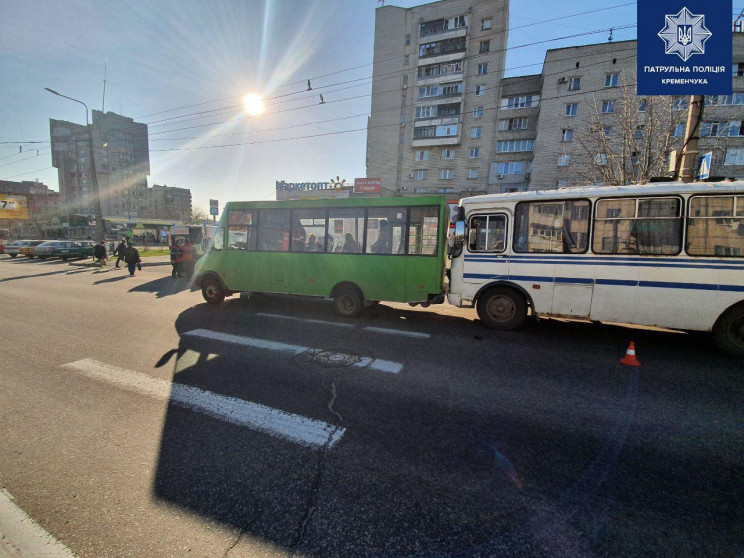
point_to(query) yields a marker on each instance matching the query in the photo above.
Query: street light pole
(100, 230)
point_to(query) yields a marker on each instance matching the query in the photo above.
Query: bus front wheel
(348, 301)
(729, 331)
(502, 308)
(212, 291)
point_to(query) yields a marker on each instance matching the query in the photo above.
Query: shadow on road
(164, 286)
(487, 444)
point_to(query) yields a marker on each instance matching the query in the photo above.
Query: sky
(166, 60)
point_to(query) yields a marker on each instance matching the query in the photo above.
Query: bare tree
(628, 140)
(198, 215)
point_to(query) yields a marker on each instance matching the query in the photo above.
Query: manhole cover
(333, 358)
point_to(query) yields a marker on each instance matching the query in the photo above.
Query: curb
(144, 264)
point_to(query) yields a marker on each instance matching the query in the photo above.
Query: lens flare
(254, 104)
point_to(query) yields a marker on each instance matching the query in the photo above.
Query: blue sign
(684, 47)
(214, 211)
(704, 166)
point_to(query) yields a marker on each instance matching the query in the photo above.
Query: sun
(253, 104)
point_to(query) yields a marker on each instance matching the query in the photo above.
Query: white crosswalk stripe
(385, 330)
(296, 428)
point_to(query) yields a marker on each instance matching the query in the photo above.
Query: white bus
(661, 254)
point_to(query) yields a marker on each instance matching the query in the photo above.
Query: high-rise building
(437, 68)
(122, 159)
(169, 202)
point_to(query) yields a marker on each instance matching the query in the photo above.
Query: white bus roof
(653, 188)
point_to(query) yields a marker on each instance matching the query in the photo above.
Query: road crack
(315, 490)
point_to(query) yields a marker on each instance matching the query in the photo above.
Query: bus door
(486, 258)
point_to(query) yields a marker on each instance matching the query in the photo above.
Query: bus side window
(241, 231)
(273, 230)
(346, 227)
(385, 226)
(487, 233)
(560, 226)
(423, 231)
(715, 226)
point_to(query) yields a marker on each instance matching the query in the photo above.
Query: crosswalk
(254, 416)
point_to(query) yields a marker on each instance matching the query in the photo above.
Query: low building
(169, 202)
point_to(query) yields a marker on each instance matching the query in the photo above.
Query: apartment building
(437, 70)
(122, 163)
(169, 202)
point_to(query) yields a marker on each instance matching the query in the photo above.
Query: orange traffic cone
(630, 356)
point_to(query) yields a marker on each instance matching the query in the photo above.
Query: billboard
(367, 185)
(13, 206)
(684, 47)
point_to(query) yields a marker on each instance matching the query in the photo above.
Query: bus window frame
(688, 217)
(681, 216)
(589, 230)
(507, 229)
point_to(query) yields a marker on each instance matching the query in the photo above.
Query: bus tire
(212, 290)
(348, 301)
(502, 308)
(729, 331)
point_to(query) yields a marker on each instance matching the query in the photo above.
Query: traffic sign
(214, 207)
(704, 166)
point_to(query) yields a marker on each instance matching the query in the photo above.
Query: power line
(25, 173)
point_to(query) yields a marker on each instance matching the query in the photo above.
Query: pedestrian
(188, 258)
(119, 252)
(176, 258)
(99, 253)
(132, 259)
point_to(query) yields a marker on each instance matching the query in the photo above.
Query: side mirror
(460, 231)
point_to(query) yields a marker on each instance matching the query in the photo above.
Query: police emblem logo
(684, 34)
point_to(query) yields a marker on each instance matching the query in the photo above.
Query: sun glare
(253, 104)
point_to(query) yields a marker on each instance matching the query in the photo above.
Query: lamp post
(100, 230)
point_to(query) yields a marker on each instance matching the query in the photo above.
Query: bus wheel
(348, 301)
(212, 291)
(502, 308)
(729, 331)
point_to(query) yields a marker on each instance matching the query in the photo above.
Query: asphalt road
(138, 421)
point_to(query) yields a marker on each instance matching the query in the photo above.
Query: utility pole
(690, 151)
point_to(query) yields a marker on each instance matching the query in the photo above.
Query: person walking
(132, 259)
(119, 252)
(188, 258)
(176, 258)
(99, 253)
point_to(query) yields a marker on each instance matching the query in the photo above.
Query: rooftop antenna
(609, 39)
(103, 102)
(381, 2)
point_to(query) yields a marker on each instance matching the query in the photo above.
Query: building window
(642, 105)
(564, 160)
(446, 131)
(607, 131)
(485, 24)
(738, 69)
(608, 107)
(574, 84)
(482, 69)
(600, 159)
(514, 167)
(448, 154)
(611, 80)
(405, 60)
(408, 39)
(472, 173)
(421, 156)
(522, 101)
(474, 152)
(567, 134)
(477, 112)
(475, 132)
(420, 190)
(426, 112)
(638, 134)
(513, 124)
(680, 103)
(561, 183)
(679, 131)
(428, 91)
(485, 46)
(513, 146)
(572, 109)
(735, 157)
(480, 90)
(446, 174)
(419, 174)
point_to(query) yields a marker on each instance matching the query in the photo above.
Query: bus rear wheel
(502, 308)
(729, 331)
(212, 291)
(348, 301)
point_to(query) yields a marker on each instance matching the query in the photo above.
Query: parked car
(28, 249)
(64, 249)
(14, 248)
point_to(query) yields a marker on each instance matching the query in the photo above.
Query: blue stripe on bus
(616, 263)
(573, 257)
(613, 282)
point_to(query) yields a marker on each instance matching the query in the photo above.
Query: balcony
(438, 48)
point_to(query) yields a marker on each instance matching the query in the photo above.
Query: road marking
(296, 428)
(307, 320)
(415, 334)
(366, 362)
(339, 324)
(22, 536)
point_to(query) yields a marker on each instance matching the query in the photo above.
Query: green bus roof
(340, 202)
